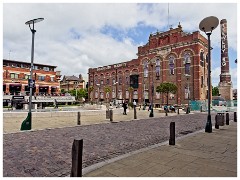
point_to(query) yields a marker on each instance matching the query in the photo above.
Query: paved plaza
(47, 153)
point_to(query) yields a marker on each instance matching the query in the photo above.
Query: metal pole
(208, 127)
(151, 113)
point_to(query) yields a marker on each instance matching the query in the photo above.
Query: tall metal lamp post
(27, 123)
(207, 25)
(151, 113)
(188, 78)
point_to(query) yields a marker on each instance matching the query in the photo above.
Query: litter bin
(220, 119)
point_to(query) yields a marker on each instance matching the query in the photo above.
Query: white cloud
(54, 43)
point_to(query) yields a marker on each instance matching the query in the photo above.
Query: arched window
(157, 68)
(145, 69)
(171, 65)
(187, 62)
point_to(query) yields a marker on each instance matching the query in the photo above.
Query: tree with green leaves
(130, 89)
(167, 88)
(107, 90)
(215, 91)
(90, 89)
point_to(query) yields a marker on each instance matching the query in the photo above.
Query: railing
(230, 106)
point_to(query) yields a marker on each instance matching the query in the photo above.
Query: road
(47, 153)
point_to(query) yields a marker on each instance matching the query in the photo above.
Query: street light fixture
(188, 78)
(98, 85)
(151, 112)
(207, 25)
(27, 123)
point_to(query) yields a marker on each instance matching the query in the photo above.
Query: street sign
(31, 83)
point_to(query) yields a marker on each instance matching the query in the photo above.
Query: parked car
(218, 101)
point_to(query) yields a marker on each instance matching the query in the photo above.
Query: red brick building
(172, 56)
(17, 73)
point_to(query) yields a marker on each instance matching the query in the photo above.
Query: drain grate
(185, 132)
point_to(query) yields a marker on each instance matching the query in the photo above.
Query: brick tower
(225, 84)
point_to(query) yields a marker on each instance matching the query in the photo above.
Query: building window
(202, 59)
(120, 80)
(187, 62)
(171, 96)
(52, 78)
(101, 82)
(107, 82)
(96, 81)
(171, 65)
(145, 69)
(46, 68)
(201, 81)
(27, 76)
(157, 68)
(13, 76)
(35, 67)
(113, 81)
(41, 78)
(187, 68)
(127, 80)
(186, 94)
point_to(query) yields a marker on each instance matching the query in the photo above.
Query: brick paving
(47, 153)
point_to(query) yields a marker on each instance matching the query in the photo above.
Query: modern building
(72, 83)
(17, 73)
(173, 56)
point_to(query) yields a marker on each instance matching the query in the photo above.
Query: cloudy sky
(78, 36)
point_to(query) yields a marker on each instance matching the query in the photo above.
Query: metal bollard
(235, 117)
(201, 109)
(78, 118)
(227, 118)
(135, 112)
(178, 110)
(166, 113)
(77, 152)
(172, 134)
(111, 115)
(216, 122)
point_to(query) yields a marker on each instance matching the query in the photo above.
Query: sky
(79, 36)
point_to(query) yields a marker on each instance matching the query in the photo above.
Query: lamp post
(151, 112)
(27, 123)
(98, 85)
(188, 78)
(207, 25)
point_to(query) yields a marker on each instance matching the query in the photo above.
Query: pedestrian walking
(124, 108)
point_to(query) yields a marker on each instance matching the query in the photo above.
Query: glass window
(171, 65)
(52, 78)
(46, 68)
(127, 80)
(202, 59)
(12, 75)
(27, 76)
(145, 69)
(120, 80)
(41, 78)
(113, 81)
(187, 68)
(157, 68)
(101, 81)
(107, 81)
(187, 58)
(35, 67)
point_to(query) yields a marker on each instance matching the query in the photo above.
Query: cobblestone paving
(48, 152)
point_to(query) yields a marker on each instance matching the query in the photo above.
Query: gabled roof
(72, 78)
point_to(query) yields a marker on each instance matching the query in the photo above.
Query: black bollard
(178, 110)
(111, 115)
(77, 152)
(216, 121)
(227, 118)
(201, 109)
(78, 118)
(172, 134)
(235, 116)
(135, 112)
(166, 113)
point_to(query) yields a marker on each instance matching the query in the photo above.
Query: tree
(130, 89)
(215, 91)
(167, 88)
(107, 90)
(91, 88)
